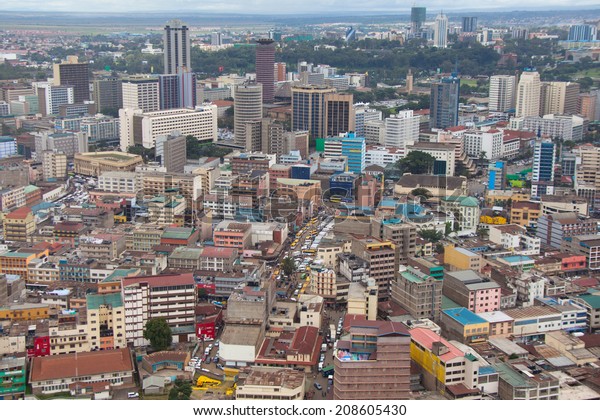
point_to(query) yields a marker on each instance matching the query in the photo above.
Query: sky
(283, 7)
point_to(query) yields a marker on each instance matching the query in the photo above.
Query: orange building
(19, 225)
(17, 262)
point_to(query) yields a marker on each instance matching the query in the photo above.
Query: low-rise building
(470, 290)
(464, 326)
(271, 384)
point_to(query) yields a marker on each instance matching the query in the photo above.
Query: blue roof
(517, 258)
(464, 316)
(487, 370)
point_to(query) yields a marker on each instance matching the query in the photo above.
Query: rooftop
(94, 301)
(274, 377)
(464, 316)
(426, 338)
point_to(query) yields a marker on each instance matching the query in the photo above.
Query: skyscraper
(444, 103)
(440, 31)
(417, 18)
(469, 24)
(502, 93)
(559, 98)
(265, 63)
(73, 73)
(176, 48)
(355, 149)
(279, 72)
(141, 93)
(339, 113)
(248, 109)
(108, 94)
(583, 33)
(402, 130)
(171, 150)
(528, 94)
(308, 109)
(177, 90)
(542, 177)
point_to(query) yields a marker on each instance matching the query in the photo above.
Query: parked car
(215, 359)
(133, 395)
(220, 366)
(318, 386)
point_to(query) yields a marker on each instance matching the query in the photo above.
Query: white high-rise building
(248, 109)
(440, 31)
(502, 93)
(559, 98)
(362, 115)
(177, 48)
(141, 93)
(401, 130)
(200, 122)
(528, 94)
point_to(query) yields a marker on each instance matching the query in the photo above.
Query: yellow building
(440, 362)
(19, 225)
(461, 259)
(96, 163)
(106, 321)
(25, 312)
(525, 213)
(18, 262)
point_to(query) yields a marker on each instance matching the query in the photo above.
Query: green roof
(30, 188)
(448, 303)
(177, 233)
(411, 277)
(118, 274)
(470, 357)
(17, 254)
(511, 376)
(110, 299)
(592, 300)
(469, 202)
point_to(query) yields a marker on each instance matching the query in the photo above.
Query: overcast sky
(287, 6)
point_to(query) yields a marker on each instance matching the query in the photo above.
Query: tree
(421, 192)
(180, 391)
(288, 266)
(431, 235)
(158, 332)
(416, 162)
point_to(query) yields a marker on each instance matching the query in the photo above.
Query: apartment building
(124, 182)
(19, 225)
(554, 228)
(471, 291)
(381, 256)
(106, 321)
(419, 293)
(458, 258)
(172, 297)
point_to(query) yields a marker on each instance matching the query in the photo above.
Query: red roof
(426, 338)
(218, 252)
(517, 134)
(160, 280)
(586, 282)
(223, 103)
(457, 128)
(20, 213)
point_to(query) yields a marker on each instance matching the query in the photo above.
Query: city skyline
(269, 7)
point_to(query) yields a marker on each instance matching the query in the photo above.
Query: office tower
(544, 156)
(308, 109)
(108, 94)
(275, 35)
(469, 24)
(265, 62)
(171, 151)
(216, 38)
(381, 256)
(440, 31)
(141, 93)
(587, 174)
(280, 72)
(273, 138)
(355, 149)
(587, 104)
(350, 34)
(73, 73)
(519, 33)
(373, 363)
(528, 94)
(176, 41)
(409, 81)
(402, 129)
(444, 103)
(339, 113)
(362, 115)
(177, 90)
(417, 18)
(187, 90)
(142, 128)
(50, 97)
(8, 146)
(248, 108)
(502, 93)
(559, 98)
(583, 33)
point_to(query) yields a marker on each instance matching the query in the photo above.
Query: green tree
(180, 391)
(416, 162)
(158, 332)
(421, 192)
(288, 266)
(431, 235)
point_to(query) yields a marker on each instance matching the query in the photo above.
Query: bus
(335, 198)
(327, 370)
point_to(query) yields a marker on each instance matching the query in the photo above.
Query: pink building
(468, 289)
(230, 234)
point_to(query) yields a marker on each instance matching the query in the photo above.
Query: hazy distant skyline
(279, 7)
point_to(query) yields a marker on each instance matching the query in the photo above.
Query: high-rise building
(280, 72)
(176, 41)
(248, 108)
(54, 165)
(440, 31)
(350, 34)
(409, 81)
(354, 148)
(8, 146)
(50, 98)
(73, 73)
(265, 62)
(141, 93)
(417, 18)
(108, 94)
(373, 363)
(216, 38)
(469, 24)
(544, 157)
(528, 94)
(401, 130)
(583, 33)
(381, 256)
(339, 113)
(587, 174)
(171, 150)
(362, 115)
(177, 90)
(587, 104)
(444, 103)
(559, 98)
(308, 109)
(502, 93)
(417, 291)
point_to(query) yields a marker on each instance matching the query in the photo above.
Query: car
(220, 366)
(217, 343)
(322, 358)
(215, 359)
(133, 395)
(318, 386)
